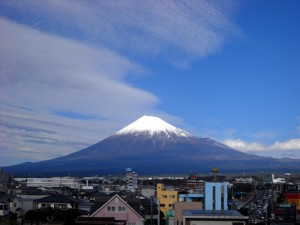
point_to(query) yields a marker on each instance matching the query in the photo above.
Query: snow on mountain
(152, 125)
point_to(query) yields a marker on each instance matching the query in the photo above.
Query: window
(172, 196)
(162, 205)
(111, 208)
(46, 206)
(121, 208)
(164, 196)
(130, 223)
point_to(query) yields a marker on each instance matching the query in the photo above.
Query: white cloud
(52, 62)
(44, 75)
(293, 144)
(177, 30)
(243, 146)
(288, 148)
(53, 73)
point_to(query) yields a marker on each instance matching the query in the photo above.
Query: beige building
(180, 206)
(213, 217)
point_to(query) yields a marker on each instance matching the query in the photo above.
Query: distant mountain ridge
(152, 146)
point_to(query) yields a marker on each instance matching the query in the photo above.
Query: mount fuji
(153, 146)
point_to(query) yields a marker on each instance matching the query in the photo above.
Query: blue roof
(211, 213)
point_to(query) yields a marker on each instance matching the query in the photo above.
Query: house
(4, 205)
(57, 202)
(114, 211)
(16, 205)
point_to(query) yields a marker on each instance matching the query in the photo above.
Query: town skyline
(73, 73)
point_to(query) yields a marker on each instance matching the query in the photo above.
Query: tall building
(131, 180)
(166, 198)
(215, 209)
(215, 197)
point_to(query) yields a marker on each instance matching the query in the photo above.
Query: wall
(128, 215)
(215, 193)
(166, 198)
(179, 206)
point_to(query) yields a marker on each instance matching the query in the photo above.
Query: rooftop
(213, 213)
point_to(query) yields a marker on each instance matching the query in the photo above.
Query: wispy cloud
(279, 148)
(52, 73)
(64, 64)
(43, 74)
(176, 30)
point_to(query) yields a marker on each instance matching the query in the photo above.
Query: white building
(278, 180)
(131, 180)
(53, 182)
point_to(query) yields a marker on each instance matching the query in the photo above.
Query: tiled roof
(95, 220)
(4, 198)
(58, 198)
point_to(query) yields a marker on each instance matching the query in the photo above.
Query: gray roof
(213, 213)
(58, 198)
(4, 198)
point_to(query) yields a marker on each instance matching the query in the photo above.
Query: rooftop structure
(213, 217)
(53, 182)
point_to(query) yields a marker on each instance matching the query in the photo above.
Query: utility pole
(158, 212)
(269, 213)
(151, 204)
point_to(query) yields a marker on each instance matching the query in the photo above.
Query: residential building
(166, 198)
(148, 192)
(131, 180)
(57, 202)
(16, 205)
(4, 205)
(115, 211)
(28, 201)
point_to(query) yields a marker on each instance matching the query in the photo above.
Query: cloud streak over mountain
(287, 148)
(54, 77)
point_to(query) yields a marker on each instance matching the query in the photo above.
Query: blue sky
(75, 72)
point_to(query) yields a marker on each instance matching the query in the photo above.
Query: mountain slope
(152, 146)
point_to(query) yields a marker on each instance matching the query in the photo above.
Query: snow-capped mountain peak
(152, 125)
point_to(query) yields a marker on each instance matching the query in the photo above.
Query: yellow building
(166, 198)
